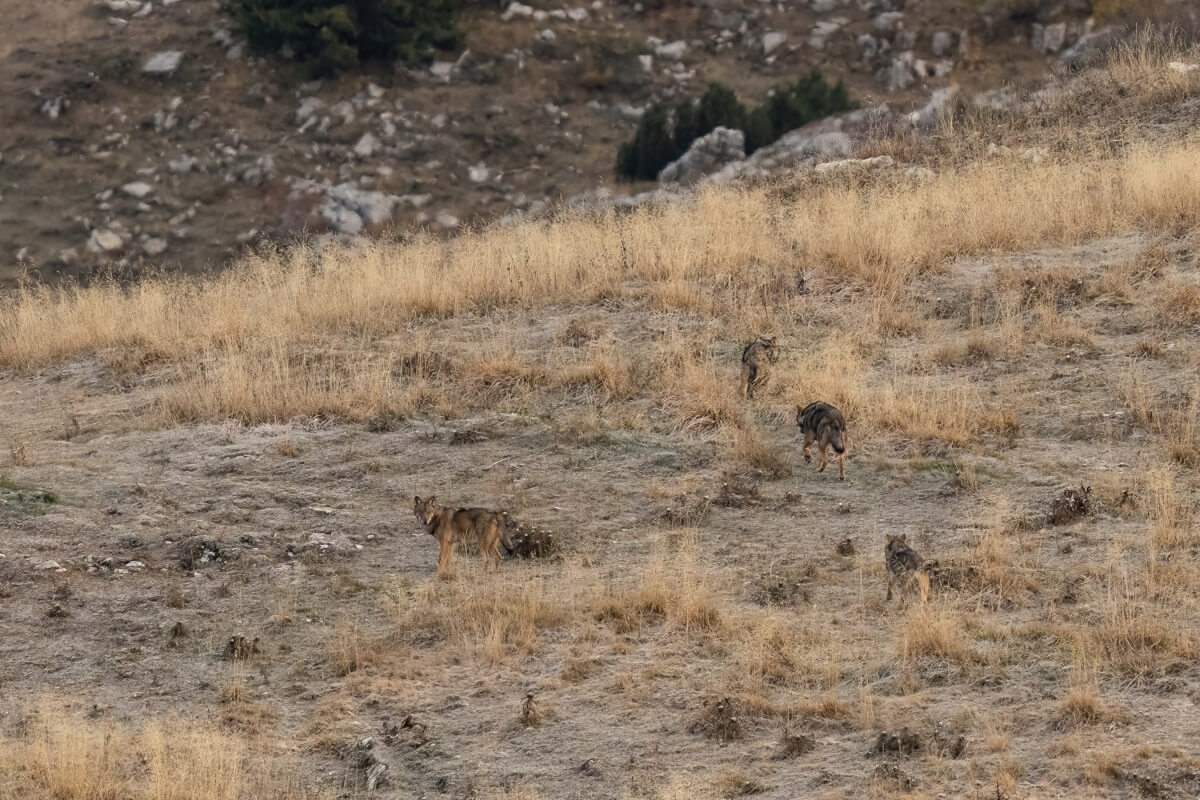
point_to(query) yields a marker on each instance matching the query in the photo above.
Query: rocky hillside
(145, 134)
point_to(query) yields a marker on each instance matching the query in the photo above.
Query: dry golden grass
(240, 345)
(936, 632)
(60, 756)
(490, 621)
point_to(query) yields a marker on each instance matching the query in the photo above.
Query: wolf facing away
(904, 565)
(757, 360)
(449, 526)
(825, 425)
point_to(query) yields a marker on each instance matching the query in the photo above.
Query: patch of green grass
(23, 500)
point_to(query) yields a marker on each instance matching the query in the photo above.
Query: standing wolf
(904, 565)
(757, 360)
(449, 526)
(825, 425)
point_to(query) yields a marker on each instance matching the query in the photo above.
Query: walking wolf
(825, 425)
(757, 360)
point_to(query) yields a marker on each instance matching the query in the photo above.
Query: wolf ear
(432, 499)
(903, 538)
(416, 500)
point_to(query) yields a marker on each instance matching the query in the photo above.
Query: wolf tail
(839, 445)
(504, 537)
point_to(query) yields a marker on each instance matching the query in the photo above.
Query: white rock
(47, 565)
(134, 565)
(447, 220)
(920, 173)
(308, 107)
(144, 11)
(154, 247)
(577, 14)
(123, 6)
(854, 163)
(673, 50)
(1182, 68)
(366, 146)
(516, 10)
(942, 44)
(104, 241)
(772, 41)
(647, 61)
(888, 21)
(441, 69)
(138, 189)
(821, 32)
(184, 163)
(546, 35)
(478, 173)
(163, 63)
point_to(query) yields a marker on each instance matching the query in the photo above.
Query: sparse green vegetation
(665, 133)
(335, 35)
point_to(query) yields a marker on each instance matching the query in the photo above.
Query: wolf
(449, 526)
(757, 360)
(825, 425)
(904, 565)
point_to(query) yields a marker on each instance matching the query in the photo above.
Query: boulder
(706, 155)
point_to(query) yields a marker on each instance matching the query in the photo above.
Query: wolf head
(769, 342)
(425, 510)
(895, 543)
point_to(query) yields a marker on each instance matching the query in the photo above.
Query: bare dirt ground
(1060, 644)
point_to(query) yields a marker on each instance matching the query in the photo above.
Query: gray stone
(47, 565)
(854, 163)
(900, 74)
(822, 6)
(138, 189)
(516, 10)
(185, 163)
(673, 50)
(821, 33)
(163, 63)
(772, 41)
(888, 21)
(308, 107)
(478, 173)
(577, 14)
(366, 146)
(942, 44)
(707, 154)
(154, 246)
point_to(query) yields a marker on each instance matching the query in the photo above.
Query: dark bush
(663, 135)
(652, 148)
(334, 35)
